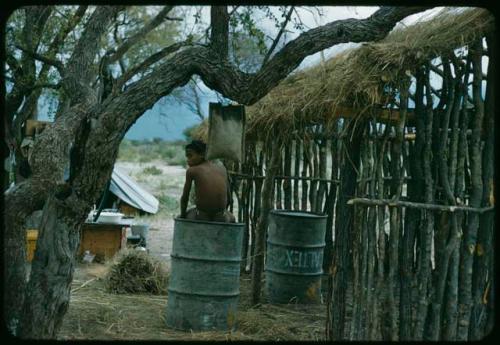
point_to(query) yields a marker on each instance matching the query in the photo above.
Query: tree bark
(48, 291)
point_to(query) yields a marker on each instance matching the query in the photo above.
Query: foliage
(147, 151)
(152, 170)
(132, 20)
(168, 204)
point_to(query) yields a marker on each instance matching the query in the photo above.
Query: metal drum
(204, 283)
(294, 256)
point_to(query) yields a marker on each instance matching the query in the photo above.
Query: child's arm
(185, 192)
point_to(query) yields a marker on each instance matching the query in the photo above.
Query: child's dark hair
(197, 146)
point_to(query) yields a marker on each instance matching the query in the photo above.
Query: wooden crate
(128, 210)
(31, 237)
(103, 240)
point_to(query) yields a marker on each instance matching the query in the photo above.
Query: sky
(167, 119)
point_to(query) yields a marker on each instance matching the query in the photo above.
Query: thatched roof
(356, 78)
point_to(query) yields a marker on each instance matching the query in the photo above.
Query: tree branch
(155, 22)
(77, 79)
(245, 88)
(219, 21)
(276, 40)
(53, 62)
(373, 28)
(149, 61)
(66, 29)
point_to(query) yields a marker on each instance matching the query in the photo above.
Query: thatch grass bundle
(96, 314)
(136, 272)
(359, 78)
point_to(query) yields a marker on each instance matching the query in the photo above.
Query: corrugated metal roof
(124, 187)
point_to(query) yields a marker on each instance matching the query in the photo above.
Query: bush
(152, 170)
(168, 203)
(146, 151)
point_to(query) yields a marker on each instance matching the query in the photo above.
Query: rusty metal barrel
(204, 284)
(294, 256)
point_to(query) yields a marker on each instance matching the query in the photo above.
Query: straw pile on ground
(96, 314)
(137, 272)
(364, 78)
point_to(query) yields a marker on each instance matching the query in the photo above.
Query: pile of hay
(136, 272)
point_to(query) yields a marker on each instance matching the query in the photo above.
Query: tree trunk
(48, 291)
(20, 202)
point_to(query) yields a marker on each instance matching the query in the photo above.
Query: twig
(84, 284)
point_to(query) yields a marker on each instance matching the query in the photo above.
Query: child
(211, 187)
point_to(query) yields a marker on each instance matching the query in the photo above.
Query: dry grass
(94, 313)
(359, 78)
(133, 271)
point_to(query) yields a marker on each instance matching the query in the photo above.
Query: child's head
(195, 152)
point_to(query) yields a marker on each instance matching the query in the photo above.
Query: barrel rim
(282, 212)
(184, 220)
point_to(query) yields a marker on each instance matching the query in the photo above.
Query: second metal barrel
(294, 256)
(204, 281)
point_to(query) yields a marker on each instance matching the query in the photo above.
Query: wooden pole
(342, 258)
(287, 171)
(424, 270)
(267, 197)
(278, 181)
(305, 164)
(296, 173)
(482, 319)
(322, 175)
(313, 172)
(469, 243)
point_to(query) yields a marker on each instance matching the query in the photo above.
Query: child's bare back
(210, 183)
(211, 187)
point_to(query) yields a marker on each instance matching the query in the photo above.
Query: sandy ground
(170, 183)
(95, 314)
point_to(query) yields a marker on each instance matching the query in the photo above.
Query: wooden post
(296, 173)
(469, 244)
(329, 208)
(287, 171)
(483, 279)
(424, 266)
(267, 197)
(313, 172)
(322, 174)
(278, 182)
(342, 258)
(305, 163)
(371, 230)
